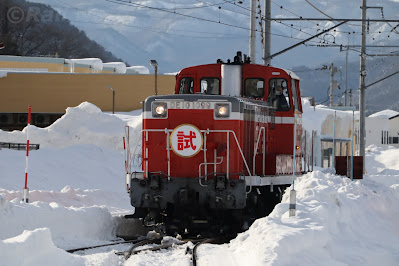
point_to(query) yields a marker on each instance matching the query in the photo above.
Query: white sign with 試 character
(186, 140)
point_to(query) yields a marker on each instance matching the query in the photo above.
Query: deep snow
(77, 188)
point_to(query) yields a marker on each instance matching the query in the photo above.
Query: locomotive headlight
(159, 109)
(222, 110)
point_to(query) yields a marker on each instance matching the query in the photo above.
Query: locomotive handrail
(238, 145)
(256, 150)
(199, 169)
(207, 131)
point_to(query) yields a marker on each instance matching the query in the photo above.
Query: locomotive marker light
(186, 140)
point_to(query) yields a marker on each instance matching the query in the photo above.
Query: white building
(377, 129)
(394, 131)
(382, 128)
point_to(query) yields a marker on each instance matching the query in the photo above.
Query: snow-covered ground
(77, 191)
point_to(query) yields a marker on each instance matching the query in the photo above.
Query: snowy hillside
(182, 33)
(77, 193)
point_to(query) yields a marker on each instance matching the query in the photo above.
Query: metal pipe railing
(262, 129)
(205, 132)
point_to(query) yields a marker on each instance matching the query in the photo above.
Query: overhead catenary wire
(173, 11)
(163, 30)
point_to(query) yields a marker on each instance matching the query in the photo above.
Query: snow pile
(35, 248)
(69, 226)
(337, 222)
(382, 160)
(315, 118)
(77, 188)
(84, 124)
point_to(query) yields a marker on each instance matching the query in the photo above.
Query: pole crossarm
(308, 39)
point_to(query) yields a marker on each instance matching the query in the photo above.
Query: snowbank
(338, 222)
(70, 226)
(84, 124)
(35, 248)
(77, 185)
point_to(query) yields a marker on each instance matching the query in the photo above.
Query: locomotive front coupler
(220, 182)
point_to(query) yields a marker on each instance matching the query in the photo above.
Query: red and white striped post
(25, 196)
(126, 166)
(124, 149)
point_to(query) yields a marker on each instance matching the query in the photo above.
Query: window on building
(210, 86)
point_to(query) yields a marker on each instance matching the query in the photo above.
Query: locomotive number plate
(186, 140)
(190, 105)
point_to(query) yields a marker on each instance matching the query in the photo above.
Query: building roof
(394, 117)
(385, 114)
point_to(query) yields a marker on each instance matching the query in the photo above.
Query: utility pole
(362, 133)
(350, 97)
(267, 42)
(333, 83)
(252, 32)
(346, 76)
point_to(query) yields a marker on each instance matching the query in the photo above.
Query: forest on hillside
(31, 29)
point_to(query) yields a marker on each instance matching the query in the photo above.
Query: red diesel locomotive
(218, 154)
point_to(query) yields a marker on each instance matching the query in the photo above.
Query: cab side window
(278, 94)
(254, 87)
(210, 86)
(186, 86)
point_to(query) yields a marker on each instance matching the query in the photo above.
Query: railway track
(156, 244)
(102, 245)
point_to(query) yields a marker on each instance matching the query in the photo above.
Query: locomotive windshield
(254, 87)
(278, 94)
(186, 86)
(210, 86)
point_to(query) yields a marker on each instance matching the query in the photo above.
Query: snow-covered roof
(94, 63)
(385, 114)
(118, 67)
(138, 69)
(5, 71)
(3, 74)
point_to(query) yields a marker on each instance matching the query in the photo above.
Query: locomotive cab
(219, 152)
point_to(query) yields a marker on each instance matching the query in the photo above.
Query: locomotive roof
(289, 72)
